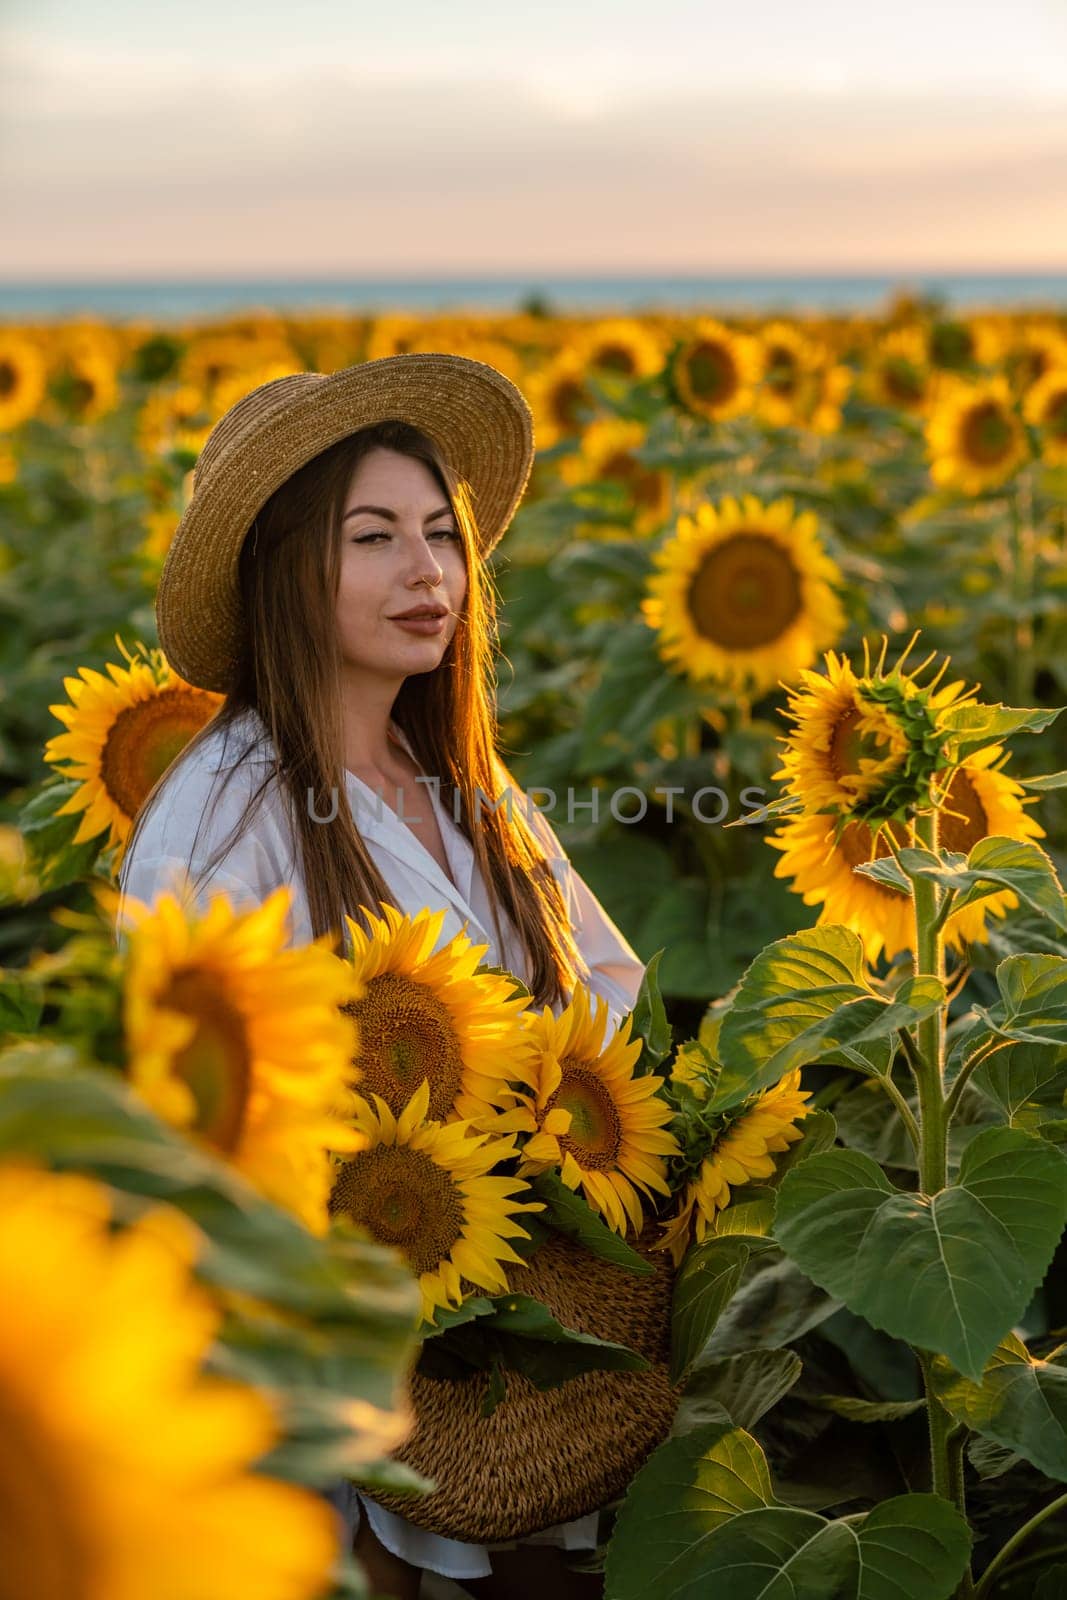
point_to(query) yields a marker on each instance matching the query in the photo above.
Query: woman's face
(401, 548)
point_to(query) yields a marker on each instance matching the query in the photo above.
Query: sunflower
(788, 357)
(124, 1471)
(898, 373)
(175, 417)
(619, 346)
(1030, 355)
(223, 355)
(974, 435)
(86, 383)
(821, 395)
(981, 802)
(560, 398)
(743, 1151)
(241, 1042)
(122, 736)
(713, 372)
(589, 1116)
(1045, 407)
(608, 453)
(432, 1017)
(744, 594)
(23, 379)
(864, 745)
(427, 1189)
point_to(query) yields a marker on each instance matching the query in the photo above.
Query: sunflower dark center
(987, 436)
(711, 372)
(569, 402)
(645, 485)
(402, 1198)
(615, 358)
(145, 738)
(8, 379)
(962, 832)
(407, 1034)
(782, 371)
(745, 593)
(1055, 418)
(595, 1135)
(216, 1063)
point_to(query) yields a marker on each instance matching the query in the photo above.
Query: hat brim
(476, 415)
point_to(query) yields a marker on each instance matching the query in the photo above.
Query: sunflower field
(797, 583)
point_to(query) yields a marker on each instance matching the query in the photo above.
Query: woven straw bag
(547, 1456)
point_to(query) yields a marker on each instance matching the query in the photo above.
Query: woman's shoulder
(205, 798)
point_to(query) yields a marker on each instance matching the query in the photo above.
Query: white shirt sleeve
(615, 968)
(182, 832)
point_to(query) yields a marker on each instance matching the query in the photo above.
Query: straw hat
(474, 413)
(546, 1456)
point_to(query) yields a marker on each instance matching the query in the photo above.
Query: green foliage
(951, 1272)
(701, 1515)
(515, 1333)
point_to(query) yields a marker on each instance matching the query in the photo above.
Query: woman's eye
(447, 533)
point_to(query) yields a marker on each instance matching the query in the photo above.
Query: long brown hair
(289, 570)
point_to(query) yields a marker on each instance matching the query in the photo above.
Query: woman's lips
(420, 624)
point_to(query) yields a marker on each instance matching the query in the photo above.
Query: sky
(616, 137)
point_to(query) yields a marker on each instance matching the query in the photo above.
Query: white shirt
(265, 857)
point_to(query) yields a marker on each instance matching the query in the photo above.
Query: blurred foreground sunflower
(123, 732)
(744, 594)
(427, 1189)
(241, 1042)
(124, 1472)
(744, 1150)
(432, 1017)
(974, 435)
(589, 1116)
(982, 801)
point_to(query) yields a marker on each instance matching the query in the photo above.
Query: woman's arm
(616, 970)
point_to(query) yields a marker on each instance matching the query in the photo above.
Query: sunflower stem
(930, 962)
(1000, 1560)
(906, 1115)
(945, 1471)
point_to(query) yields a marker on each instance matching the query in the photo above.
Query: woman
(326, 510)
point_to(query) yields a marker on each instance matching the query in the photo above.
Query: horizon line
(532, 277)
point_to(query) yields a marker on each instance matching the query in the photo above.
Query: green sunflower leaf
(568, 1213)
(950, 1273)
(806, 997)
(974, 725)
(1020, 1403)
(700, 1519)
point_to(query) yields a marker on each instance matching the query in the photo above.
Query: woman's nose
(425, 566)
